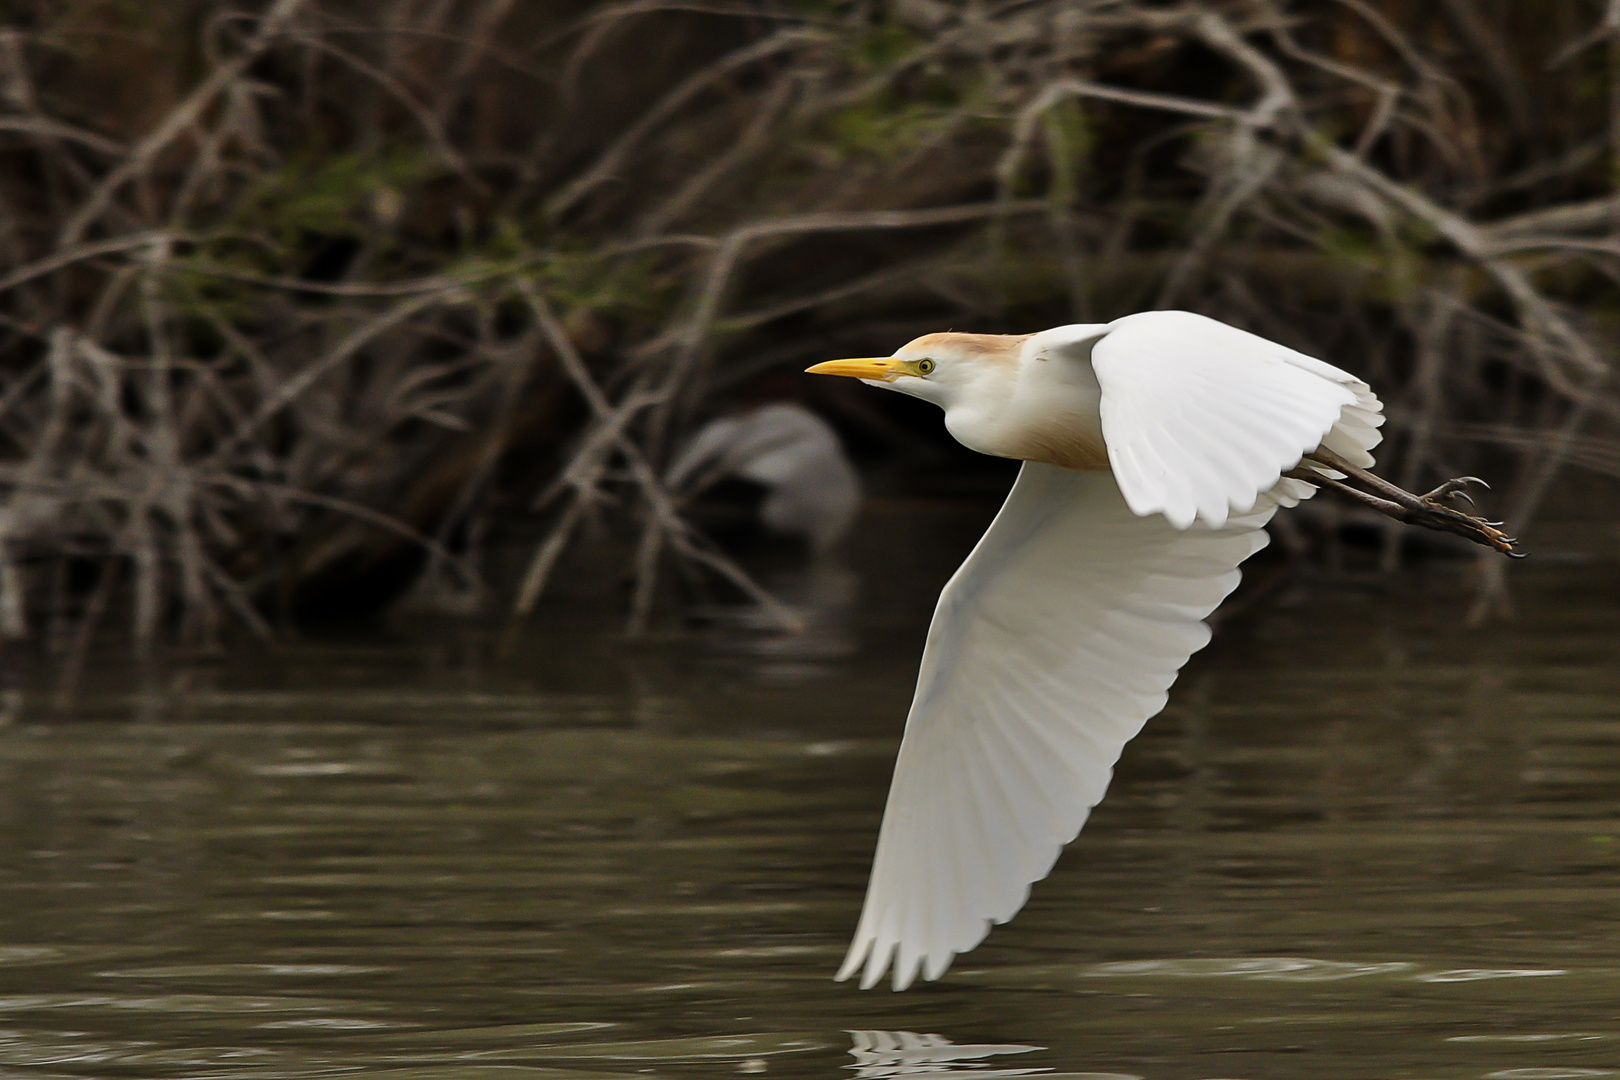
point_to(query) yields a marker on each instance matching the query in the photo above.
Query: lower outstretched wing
(1051, 646)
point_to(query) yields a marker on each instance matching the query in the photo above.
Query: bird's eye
(925, 366)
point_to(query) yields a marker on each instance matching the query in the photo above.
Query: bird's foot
(1429, 511)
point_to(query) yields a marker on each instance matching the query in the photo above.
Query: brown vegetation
(291, 291)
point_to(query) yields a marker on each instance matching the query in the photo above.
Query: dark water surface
(1362, 842)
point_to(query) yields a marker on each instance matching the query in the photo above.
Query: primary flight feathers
(1052, 645)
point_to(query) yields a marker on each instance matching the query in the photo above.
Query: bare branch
(178, 121)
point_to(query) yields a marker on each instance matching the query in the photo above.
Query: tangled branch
(384, 272)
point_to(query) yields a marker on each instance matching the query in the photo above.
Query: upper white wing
(1201, 418)
(1051, 646)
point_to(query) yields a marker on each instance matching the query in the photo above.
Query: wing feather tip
(877, 962)
(881, 961)
(854, 959)
(936, 965)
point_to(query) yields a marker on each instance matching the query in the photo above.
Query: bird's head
(947, 369)
(1018, 396)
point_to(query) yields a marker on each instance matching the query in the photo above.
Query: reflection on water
(1361, 843)
(880, 1054)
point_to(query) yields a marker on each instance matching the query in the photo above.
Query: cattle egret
(811, 488)
(1155, 449)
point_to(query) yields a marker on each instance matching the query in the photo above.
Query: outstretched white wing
(1051, 646)
(1201, 418)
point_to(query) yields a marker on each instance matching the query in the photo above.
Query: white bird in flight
(1155, 448)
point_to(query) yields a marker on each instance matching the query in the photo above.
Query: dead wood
(303, 306)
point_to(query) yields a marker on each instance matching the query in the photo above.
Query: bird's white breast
(1035, 408)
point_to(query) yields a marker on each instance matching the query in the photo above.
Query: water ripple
(1281, 968)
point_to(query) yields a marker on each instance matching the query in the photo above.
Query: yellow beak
(868, 367)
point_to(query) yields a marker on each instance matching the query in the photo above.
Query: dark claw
(1428, 511)
(1463, 495)
(1455, 487)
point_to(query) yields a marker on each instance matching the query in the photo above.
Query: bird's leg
(1428, 510)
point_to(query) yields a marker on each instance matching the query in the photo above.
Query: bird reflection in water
(880, 1054)
(905, 1053)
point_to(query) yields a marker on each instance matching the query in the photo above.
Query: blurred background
(313, 305)
(446, 635)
